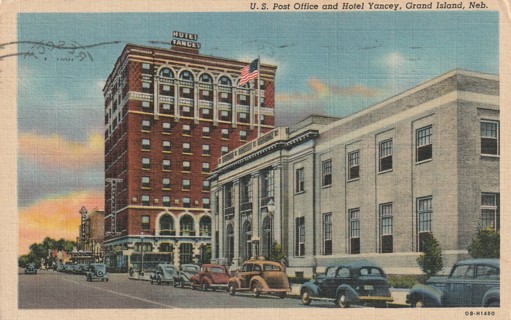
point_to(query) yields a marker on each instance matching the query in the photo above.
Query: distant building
(169, 115)
(371, 185)
(92, 233)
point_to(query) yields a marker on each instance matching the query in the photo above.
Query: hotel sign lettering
(184, 39)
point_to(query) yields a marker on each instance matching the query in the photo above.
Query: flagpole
(258, 97)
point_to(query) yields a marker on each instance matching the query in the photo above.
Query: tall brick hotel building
(169, 115)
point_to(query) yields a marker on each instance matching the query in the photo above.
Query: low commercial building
(372, 185)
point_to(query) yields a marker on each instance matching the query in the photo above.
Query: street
(56, 290)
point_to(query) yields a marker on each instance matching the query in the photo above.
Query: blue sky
(332, 63)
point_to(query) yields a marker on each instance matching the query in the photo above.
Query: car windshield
(169, 269)
(271, 267)
(217, 270)
(370, 271)
(190, 269)
(100, 267)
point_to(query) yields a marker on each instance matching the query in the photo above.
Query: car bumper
(375, 298)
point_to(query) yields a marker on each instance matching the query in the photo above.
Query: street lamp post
(271, 210)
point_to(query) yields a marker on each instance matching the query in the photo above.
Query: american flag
(249, 72)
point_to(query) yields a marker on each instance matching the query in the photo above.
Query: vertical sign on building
(83, 212)
(113, 201)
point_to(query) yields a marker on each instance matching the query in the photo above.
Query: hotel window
(146, 125)
(146, 87)
(187, 111)
(186, 202)
(224, 97)
(206, 132)
(166, 73)
(146, 144)
(187, 148)
(300, 180)
(146, 104)
(186, 166)
(205, 111)
(146, 163)
(354, 230)
(224, 115)
(166, 127)
(225, 81)
(327, 173)
(385, 155)
(386, 239)
(424, 219)
(243, 116)
(186, 130)
(353, 165)
(205, 167)
(490, 137)
(166, 146)
(300, 237)
(145, 182)
(166, 183)
(224, 150)
(146, 222)
(424, 144)
(186, 93)
(206, 78)
(186, 75)
(145, 200)
(166, 165)
(166, 201)
(490, 217)
(205, 150)
(166, 88)
(165, 108)
(205, 203)
(225, 133)
(146, 66)
(327, 233)
(243, 135)
(186, 184)
(205, 185)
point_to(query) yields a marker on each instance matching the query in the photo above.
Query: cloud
(394, 60)
(53, 151)
(56, 217)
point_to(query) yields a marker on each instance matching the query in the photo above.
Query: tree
(486, 244)
(430, 260)
(39, 251)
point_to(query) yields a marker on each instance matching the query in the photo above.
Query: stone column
(256, 214)
(221, 222)
(277, 199)
(237, 217)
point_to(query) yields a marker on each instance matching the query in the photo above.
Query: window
(166, 183)
(353, 165)
(146, 66)
(186, 184)
(424, 211)
(224, 115)
(385, 155)
(490, 137)
(166, 146)
(185, 253)
(205, 185)
(300, 237)
(490, 217)
(146, 163)
(205, 203)
(246, 190)
(166, 127)
(145, 182)
(186, 202)
(145, 200)
(165, 108)
(205, 150)
(146, 144)
(224, 150)
(146, 222)
(186, 166)
(166, 201)
(146, 104)
(243, 135)
(424, 145)
(166, 164)
(225, 81)
(267, 184)
(186, 93)
(205, 167)
(206, 132)
(243, 115)
(206, 78)
(205, 111)
(187, 148)
(386, 240)
(224, 97)
(327, 172)
(187, 111)
(327, 233)
(300, 180)
(186, 75)
(354, 230)
(166, 73)
(146, 125)
(225, 133)
(146, 87)
(186, 130)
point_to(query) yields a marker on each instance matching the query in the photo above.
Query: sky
(330, 63)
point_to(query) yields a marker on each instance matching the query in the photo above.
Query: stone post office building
(371, 185)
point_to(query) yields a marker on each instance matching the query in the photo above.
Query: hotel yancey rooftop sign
(186, 40)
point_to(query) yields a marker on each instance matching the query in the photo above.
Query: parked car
(186, 271)
(31, 268)
(97, 271)
(357, 282)
(165, 273)
(260, 277)
(211, 276)
(471, 283)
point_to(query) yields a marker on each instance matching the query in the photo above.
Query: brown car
(260, 277)
(210, 276)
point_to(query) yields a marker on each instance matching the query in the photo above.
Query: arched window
(206, 78)
(167, 225)
(186, 226)
(186, 75)
(166, 73)
(267, 237)
(229, 253)
(225, 81)
(246, 239)
(205, 226)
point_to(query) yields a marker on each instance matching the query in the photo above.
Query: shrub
(404, 280)
(430, 260)
(486, 244)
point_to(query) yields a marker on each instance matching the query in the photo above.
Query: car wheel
(232, 289)
(256, 290)
(494, 304)
(416, 302)
(204, 286)
(181, 284)
(306, 298)
(282, 295)
(158, 281)
(342, 300)
(175, 284)
(380, 304)
(106, 280)
(151, 281)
